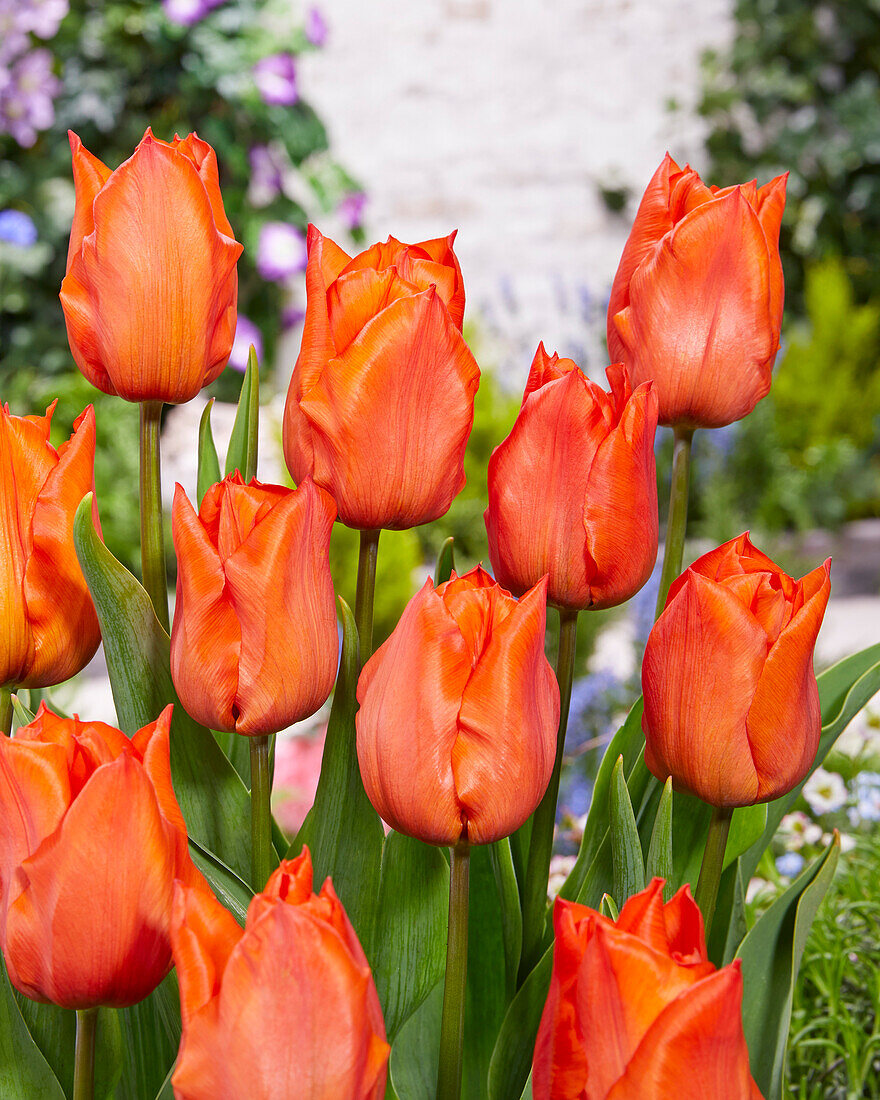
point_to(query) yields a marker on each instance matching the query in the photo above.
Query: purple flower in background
(13, 34)
(26, 97)
(43, 17)
(266, 177)
(292, 316)
(186, 12)
(281, 251)
(275, 78)
(316, 27)
(351, 209)
(17, 228)
(246, 333)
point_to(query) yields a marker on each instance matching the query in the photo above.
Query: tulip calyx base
(84, 1058)
(152, 531)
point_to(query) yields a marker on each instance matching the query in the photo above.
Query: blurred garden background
(531, 127)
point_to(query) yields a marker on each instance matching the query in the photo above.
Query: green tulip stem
(6, 711)
(541, 844)
(261, 816)
(712, 865)
(452, 1024)
(152, 533)
(366, 588)
(676, 523)
(84, 1058)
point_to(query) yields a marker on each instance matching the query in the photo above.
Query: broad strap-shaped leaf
(415, 1053)
(510, 912)
(230, 890)
(771, 955)
(24, 1072)
(343, 831)
(209, 463)
(241, 454)
(658, 862)
(515, 1046)
(151, 1038)
(445, 562)
(626, 848)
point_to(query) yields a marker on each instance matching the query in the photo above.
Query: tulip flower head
(286, 1007)
(731, 701)
(92, 842)
(151, 286)
(50, 630)
(254, 643)
(573, 488)
(381, 402)
(456, 732)
(636, 1011)
(696, 303)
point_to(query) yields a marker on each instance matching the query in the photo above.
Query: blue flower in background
(17, 228)
(867, 797)
(789, 865)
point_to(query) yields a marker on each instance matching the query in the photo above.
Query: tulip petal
(784, 721)
(410, 693)
(203, 935)
(440, 250)
(392, 415)
(770, 204)
(89, 176)
(354, 299)
(503, 755)
(705, 637)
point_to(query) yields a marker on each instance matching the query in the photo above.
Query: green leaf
(501, 857)
(241, 454)
(771, 955)
(151, 1038)
(445, 562)
(608, 908)
(659, 860)
(166, 1092)
(24, 1072)
(230, 890)
(512, 1057)
(23, 716)
(415, 1053)
(209, 463)
(626, 848)
(726, 937)
(212, 797)
(409, 949)
(343, 831)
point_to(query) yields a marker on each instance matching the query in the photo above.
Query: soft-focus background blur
(532, 127)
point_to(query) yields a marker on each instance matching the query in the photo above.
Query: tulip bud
(151, 286)
(254, 643)
(731, 701)
(50, 630)
(286, 1007)
(459, 708)
(636, 1011)
(381, 402)
(573, 488)
(92, 842)
(696, 303)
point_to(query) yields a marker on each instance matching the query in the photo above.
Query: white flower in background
(789, 865)
(560, 868)
(847, 843)
(759, 889)
(825, 792)
(797, 829)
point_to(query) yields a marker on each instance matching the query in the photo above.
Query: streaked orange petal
(440, 250)
(770, 206)
(356, 298)
(89, 176)
(203, 935)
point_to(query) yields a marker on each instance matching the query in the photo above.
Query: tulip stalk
(541, 844)
(452, 1021)
(676, 523)
(6, 711)
(152, 534)
(261, 818)
(84, 1056)
(712, 865)
(366, 588)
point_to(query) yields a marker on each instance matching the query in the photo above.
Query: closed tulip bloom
(731, 701)
(49, 628)
(573, 488)
(151, 286)
(636, 1011)
(381, 402)
(254, 643)
(696, 303)
(91, 844)
(456, 732)
(286, 1007)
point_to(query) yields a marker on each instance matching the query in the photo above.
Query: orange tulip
(731, 702)
(91, 844)
(286, 1007)
(254, 643)
(636, 1011)
(573, 488)
(381, 402)
(151, 286)
(50, 630)
(459, 710)
(696, 303)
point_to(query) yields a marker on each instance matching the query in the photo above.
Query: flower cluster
(28, 84)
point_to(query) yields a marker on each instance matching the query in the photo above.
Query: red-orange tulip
(696, 303)
(381, 402)
(636, 1011)
(151, 286)
(459, 709)
(254, 643)
(731, 702)
(91, 844)
(49, 628)
(286, 1007)
(573, 488)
